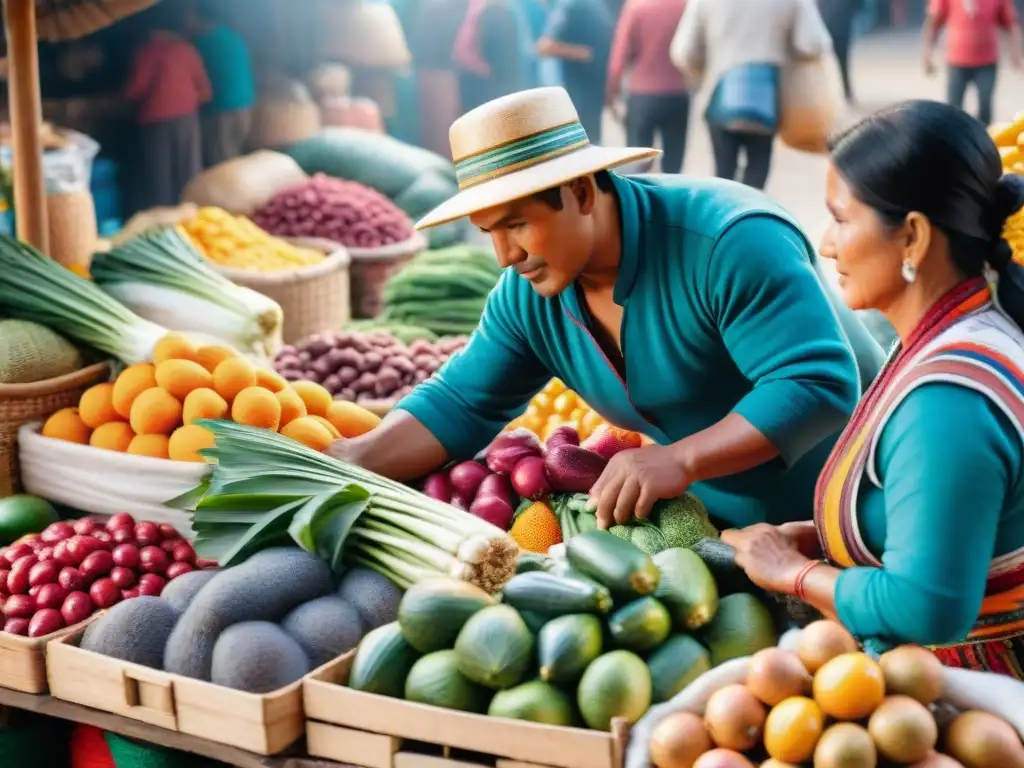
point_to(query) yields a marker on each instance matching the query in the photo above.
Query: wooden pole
(25, 102)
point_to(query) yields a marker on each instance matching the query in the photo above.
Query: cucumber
(433, 612)
(382, 662)
(641, 625)
(675, 664)
(566, 645)
(495, 648)
(687, 588)
(556, 595)
(720, 559)
(435, 679)
(617, 564)
(617, 684)
(535, 701)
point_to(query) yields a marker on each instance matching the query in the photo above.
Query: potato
(347, 374)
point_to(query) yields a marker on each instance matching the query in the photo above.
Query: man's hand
(633, 481)
(767, 555)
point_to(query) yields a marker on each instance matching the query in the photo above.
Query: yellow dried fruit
(96, 406)
(203, 403)
(187, 441)
(256, 407)
(133, 380)
(153, 446)
(155, 412)
(66, 424)
(179, 377)
(232, 376)
(112, 436)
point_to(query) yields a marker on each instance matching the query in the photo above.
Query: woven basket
(313, 299)
(371, 268)
(22, 403)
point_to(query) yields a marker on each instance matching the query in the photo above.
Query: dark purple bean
(321, 367)
(347, 375)
(335, 359)
(347, 394)
(293, 374)
(372, 361)
(333, 384)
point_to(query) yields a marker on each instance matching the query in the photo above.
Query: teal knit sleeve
(781, 332)
(947, 460)
(480, 390)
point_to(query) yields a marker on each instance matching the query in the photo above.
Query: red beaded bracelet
(798, 585)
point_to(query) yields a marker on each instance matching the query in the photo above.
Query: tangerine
(849, 687)
(792, 729)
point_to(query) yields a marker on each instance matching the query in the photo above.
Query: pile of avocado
(602, 634)
(255, 627)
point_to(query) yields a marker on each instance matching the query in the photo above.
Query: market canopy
(26, 22)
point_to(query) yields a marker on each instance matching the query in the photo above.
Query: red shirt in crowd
(972, 29)
(643, 37)
(168, 80)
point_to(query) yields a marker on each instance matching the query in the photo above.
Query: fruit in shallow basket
(678, 740)
(912, 671)
(130, 383)
(186, 442)
(232, 376)
(434, 611)
(351, 419)
(776, 674)
(66, 424)
(112, 436)
(566, 645)
(821, 641)
(180, 377)
(382, 662)
(203, 403)
(155, 412)
(849, 687)
(173, 346)
(213, 355)
(135, 631)
(325, 628)
(292, 406)
(735, 718)
(495, 647)
(792, 729)
(257, 657)
(845, 745)
(153, 446)
(256, 407)
(981, 740)
(903, 729)
(96, 406)
(317, 399)
(722, 758)
(308, 431)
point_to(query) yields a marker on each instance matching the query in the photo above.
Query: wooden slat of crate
(265, 724)
(23, 660)
(328, 701)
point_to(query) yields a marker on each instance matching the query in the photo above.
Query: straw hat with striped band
(519, 145)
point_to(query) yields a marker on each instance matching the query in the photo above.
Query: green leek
(35, 287)
(161, 276)
(262, 483)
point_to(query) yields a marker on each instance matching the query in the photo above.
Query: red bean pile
(63, 575)
(345, 212)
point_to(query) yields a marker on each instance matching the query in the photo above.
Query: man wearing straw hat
(685, 309)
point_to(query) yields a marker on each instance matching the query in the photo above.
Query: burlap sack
(245, 183)
(811, 103)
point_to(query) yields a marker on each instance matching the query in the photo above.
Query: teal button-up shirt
(722, 312)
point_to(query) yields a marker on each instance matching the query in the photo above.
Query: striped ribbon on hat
(521, 153)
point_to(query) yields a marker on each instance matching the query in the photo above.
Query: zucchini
(495, 648)
(720, 559)
(534, 621)
(566, 645)
(617, 684)
(611, 561)
(675, 664)
(641, 625)
(534, 701)
(556, 595)
(532, 561)
(382, 662)
(433, 612)
(435, 679)
(687, 588)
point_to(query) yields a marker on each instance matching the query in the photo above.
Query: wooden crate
(263, 723)
(23, 659)
(374, 731)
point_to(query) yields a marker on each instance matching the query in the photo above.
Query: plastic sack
(243, 184)
(810, 103)
(105, 482)
(66, 169)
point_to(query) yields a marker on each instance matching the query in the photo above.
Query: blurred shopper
(432, 38)
(227, 117)
(972, 46)
(738, 48)
(490, 52)
(579, 32)
(549, 69)
(839, 16)
(659, 101)
(168, 85)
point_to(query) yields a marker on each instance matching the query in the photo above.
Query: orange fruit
(821, 641)
(792, 730)
(849, 687)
